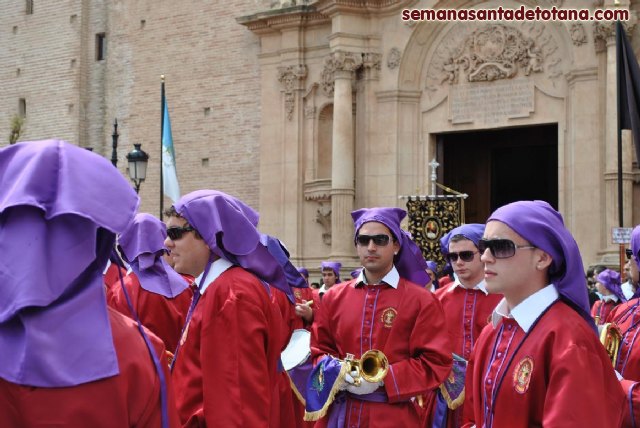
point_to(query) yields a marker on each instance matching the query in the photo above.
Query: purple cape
(60, 209)
(228, 226)
(142, 245)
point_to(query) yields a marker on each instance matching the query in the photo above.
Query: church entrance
(496, 167)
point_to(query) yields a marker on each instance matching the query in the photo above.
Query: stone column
(605, 36)
(342, 156)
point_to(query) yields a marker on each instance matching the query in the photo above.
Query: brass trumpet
(610, 337)
(372, 366)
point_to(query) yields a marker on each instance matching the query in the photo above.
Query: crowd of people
(113, 318)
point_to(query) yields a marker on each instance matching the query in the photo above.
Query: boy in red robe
(541, 354)
(385, 308)
(226, 366)
(466, 303)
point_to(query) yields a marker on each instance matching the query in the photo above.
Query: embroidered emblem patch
(184, 335)
(317, 383)
(388, 315)
(298, 294)
(522, 375)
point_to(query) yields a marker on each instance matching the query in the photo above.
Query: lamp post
(137, 165)
(114, 144)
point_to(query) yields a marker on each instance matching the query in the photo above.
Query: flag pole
(619, 120)
(161, 144)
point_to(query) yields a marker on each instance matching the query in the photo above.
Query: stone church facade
(308, 110)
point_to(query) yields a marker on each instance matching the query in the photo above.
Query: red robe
(560, 376)
(162, 315)
(601, 309)
(627, 317)
(226, 368)
(112, 279)
(129, 399)
(466, 312)
(406, 324)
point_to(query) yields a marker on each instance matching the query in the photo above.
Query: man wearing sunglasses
(627, 317)
(540, 355)
(225, 367)
(386, 308)
(466, 302)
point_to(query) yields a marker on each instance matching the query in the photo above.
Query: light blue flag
(170, 185)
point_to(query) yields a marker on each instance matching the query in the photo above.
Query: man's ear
(544, 260)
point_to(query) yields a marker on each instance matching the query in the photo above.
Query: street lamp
(137, 165)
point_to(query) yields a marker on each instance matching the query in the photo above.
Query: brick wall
(212, 84)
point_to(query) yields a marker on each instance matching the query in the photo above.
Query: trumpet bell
(374, 366)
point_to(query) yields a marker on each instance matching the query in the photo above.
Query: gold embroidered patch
(388, 315)
(298, 294)
(522, 375)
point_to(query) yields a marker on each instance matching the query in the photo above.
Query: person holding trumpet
(386, 308)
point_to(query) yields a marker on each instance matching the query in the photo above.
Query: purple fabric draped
(635, 244)
(543, 227)
(472, 231)
(142, 245)
(611, 281)
(409, 261)
(228, 226)
(60, 208)
(338, 411)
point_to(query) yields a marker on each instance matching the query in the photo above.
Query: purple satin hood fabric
(281, 254)
(334, 266)
(432, 266)
(543, 227)
(635, 244)
(611, 281)
(472, 231)
(60, 208)
(228, 226)
(142, 245)
(409, 261)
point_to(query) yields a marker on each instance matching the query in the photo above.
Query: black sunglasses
(501, 248)
(629, 253)
(379, 240)
(175, 233)
(466, 256)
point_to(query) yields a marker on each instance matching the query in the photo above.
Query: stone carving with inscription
(289, 77)
(491, 52)
(393, 59)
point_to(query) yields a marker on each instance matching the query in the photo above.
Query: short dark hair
(171, 212)
(459, 237)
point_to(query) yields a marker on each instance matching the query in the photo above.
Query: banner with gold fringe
(430, 218)
(322, 386)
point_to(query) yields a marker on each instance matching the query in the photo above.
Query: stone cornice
(272, 20)
(331, 7)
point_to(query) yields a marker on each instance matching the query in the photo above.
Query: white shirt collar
(529, 310)
(609, 298)
(392, 278)
(482, 286)
(216, 269)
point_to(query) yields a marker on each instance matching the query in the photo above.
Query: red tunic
(404, 324)
(601, 310)
(130, 399)
(466, 313)
(226, 369)
(163, 316)
(536, 381)
(112, 279)
(627, 317)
